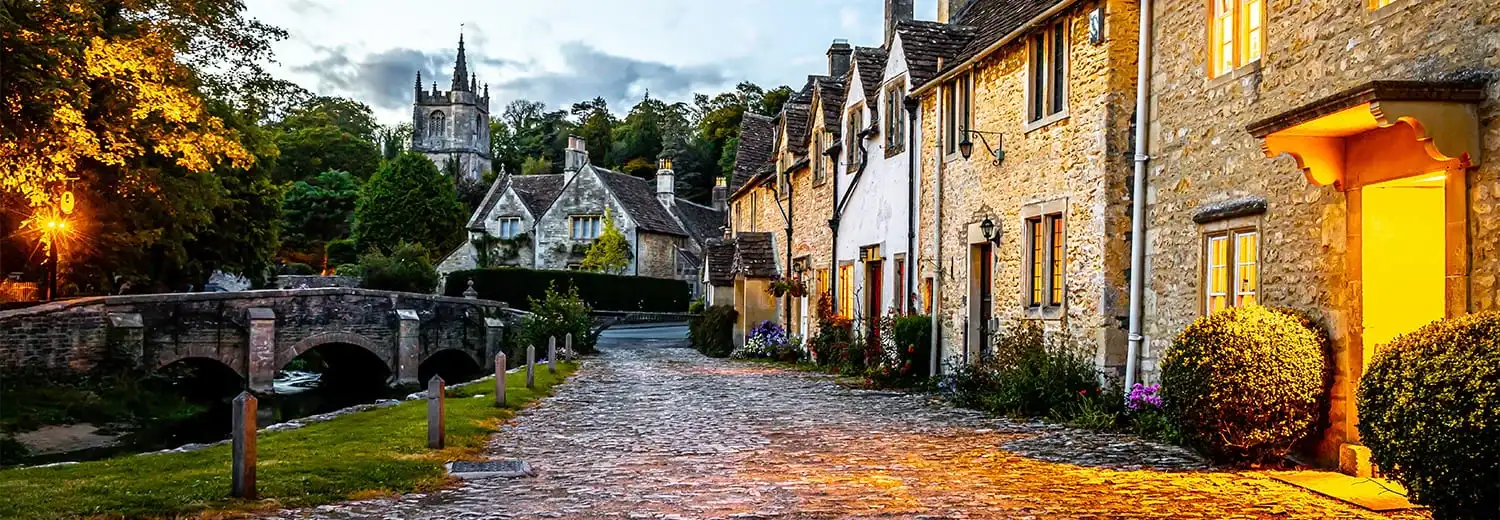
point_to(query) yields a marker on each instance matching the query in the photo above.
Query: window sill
(892, 151)
(1252, 68)
(1046, 121)
(1049, 312)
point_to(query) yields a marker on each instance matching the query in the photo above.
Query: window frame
(846, 290)
(1044, 242)
(854, 123)
(898, 280)
(816, 156)
(515, 221)
(1234, 293)
(1047, 74)
(957, 112)
(895, 117)
(597, 222)
(437, 124)
(1236, 13)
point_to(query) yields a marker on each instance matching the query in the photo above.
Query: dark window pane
(1059, 50)
(1038, 81)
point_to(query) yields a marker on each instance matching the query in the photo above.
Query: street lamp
(966, 146)
(55, 227)
(988, 229)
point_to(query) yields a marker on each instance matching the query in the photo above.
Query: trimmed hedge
(1244, 384)
(1429, 410)
(712, 332)
(606, 292)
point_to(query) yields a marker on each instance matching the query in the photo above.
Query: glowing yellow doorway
(1403, 258)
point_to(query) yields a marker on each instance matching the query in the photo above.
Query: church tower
(454, 125)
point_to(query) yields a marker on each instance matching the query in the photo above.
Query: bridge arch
(286, 355)
(452, 363)
(232, 360)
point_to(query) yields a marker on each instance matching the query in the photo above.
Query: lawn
(354, 456)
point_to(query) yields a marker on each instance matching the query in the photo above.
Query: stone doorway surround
(1378, 132)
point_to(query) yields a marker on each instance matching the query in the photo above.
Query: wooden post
(500, 380)
(435, 430)
(242, 467)
(552, 355)
(568, 346)
(530, 366)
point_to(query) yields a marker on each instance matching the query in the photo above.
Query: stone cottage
(1025, 128)
(549, 221)
(1337, 157)
(454, 125)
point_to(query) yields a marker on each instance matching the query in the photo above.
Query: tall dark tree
(327, 134)
(316, 211)
(408, 200)
(595, 124)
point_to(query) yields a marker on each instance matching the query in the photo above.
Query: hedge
(606, 292)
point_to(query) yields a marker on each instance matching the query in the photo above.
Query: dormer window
(895, 118)
(856, 120)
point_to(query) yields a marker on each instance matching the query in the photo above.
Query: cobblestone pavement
(645, 431)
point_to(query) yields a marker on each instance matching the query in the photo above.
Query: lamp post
(55, 227)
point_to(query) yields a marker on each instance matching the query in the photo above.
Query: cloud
(588, 72)
(383, 80)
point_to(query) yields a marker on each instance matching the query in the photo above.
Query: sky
(562, 51)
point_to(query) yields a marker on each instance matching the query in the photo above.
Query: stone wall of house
(517, 253)
(1201, 154)
(1076, 166)
(656, 254)
(585, 195)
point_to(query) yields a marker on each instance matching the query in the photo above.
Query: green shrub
(1245, 383)
(298, 269)
(349, 270)
(906, 343)
(555, 315)
(1429, 410)
(341, 251)
(407, 269)
(712, 332)
(517, 286)
(1028, 374)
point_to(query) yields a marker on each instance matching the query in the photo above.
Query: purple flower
(1143, 397)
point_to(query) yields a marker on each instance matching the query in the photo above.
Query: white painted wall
(877, 211)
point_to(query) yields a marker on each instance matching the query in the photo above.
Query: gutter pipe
(1138, 197)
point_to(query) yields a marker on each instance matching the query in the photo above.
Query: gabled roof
(754, 256)
(492, 197)
(537, 192)
(870, 62)
(639, 198)
(795, 117)
(701, 222)
(757, 136)
(991, 21)
(923, 43)
(720, 253)
(831, 91)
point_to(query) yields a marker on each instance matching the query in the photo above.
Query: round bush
(1244, 384)
(1429, 410)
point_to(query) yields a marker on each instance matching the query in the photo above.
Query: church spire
(419, 84)
(461, 70)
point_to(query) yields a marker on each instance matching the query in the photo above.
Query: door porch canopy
(1378, 131)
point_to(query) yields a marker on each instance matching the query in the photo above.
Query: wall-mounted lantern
(988, 229)
(966, 147)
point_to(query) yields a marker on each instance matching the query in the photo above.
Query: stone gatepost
(127, 338)
(494, 338)
(260, 358)
(408, 347)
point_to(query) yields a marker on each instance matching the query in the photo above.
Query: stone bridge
(254, 333)
(607, 319)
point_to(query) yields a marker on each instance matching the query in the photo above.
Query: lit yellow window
(822, 282)
(1057, 260)
(846, 290)
(1044, 260)
(1232, 270)
(1377, 4)
(1038, 256)
(1238, 33)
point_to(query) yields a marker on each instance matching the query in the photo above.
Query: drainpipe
(840, 204)
(1138, 197)
(912, 105)
(937, 257)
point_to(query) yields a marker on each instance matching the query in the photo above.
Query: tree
(393, 140)
(596, 126)
(328, 134)
(316, 211)
(407, 269)
(536, 166)
(408, 200)
(610, 253)
(771, 103)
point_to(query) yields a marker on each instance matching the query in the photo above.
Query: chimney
(948, 8)
(666, 182)
(838, 57)
(574, 157)
(895, 11)
(721, 194)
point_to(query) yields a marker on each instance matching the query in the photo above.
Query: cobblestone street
(652, 430)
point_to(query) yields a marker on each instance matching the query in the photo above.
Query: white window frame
(1237, 27)
(1234, 268)
(593, 223)
(1042, 64)
(510, 227)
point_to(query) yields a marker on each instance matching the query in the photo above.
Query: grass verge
(359, 455)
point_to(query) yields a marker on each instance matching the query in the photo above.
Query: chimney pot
(720, 194)
(896, 11)
(838, 58)
(666, 182)
(574, 157)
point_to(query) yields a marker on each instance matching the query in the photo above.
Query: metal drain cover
(507, 468)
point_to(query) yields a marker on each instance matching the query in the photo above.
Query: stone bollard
(242, 467)
(530, 366)
(500, 380)
(568, 347)
(552, 355)
(435, 407)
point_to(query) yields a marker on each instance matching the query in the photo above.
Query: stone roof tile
(871, 64)
(754, 255)
(639, 198)
(720, 254)
(925, 42)
(757, 139)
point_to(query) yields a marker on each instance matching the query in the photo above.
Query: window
(435, 122)
(856, 123)
(846, 290)
(895, 118)
(478, 122)
(1236, 35)
(1044, 261)
(822, 283)
(1377, 4)
(1232, 269)
(510, 227)
(957, 113)
(898, 268)
(1048, 73)
(927, 295)
(819, 172)
(586, 227)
